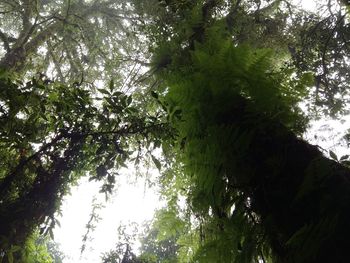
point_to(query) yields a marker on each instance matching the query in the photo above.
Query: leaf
(122, 164)
(333, 155)
(156, 162)
(103, 91)
(51, 233)
(57, 223)
(137, 160)
(111, 179)
(117, 93)
(10, 257)
(344, 157)
(53, 97)
(157, 144)
(111, 85)
(308, 79)
(42, 108)
(101, 171)
(131, 110)
(154, 94)
(346, 163)
(15, 248)
(123, 101)
(111, 102)
(101, 149)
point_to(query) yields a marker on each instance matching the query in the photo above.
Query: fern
(220, 91)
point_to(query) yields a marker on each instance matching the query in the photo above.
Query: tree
(54, 250)
(122, 254)
(322, 49)
(37, 248)
(123, 251)
(255, 189)
(71, 40)
(265, 193)
(51, 135)
(308, 43)
(160, 240)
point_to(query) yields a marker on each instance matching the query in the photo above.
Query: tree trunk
(302, 198)
(20, 216)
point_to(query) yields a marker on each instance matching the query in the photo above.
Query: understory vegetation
(215, 94)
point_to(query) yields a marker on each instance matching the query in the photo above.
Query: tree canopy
(221, 97)
(73, 40)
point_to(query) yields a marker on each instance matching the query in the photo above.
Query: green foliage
(309, 43)
(171, 237)
(159, 244)
(36, 249)
(231, 101)
(71, 41)
(123, 252)
(257, 191)
(50, 136)
(218, 98)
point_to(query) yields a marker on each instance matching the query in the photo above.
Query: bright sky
(309, 5)
(134, 203)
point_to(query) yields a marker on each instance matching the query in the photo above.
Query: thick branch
(5, 185)
(27, 6)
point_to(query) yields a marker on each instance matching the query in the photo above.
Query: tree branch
(5, 41)
(26, 14)
(5, 184)
(55, 62)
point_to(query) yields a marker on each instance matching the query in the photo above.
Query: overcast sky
(132, 202)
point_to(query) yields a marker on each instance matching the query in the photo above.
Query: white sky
(309, 5)
(134, 203)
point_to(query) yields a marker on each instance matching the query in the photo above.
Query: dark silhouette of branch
(6, 41)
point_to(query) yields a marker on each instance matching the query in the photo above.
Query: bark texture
(302, 198)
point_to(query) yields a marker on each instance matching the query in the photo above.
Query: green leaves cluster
(50, 136)
(230, 100)
(36, 249)
(218, 100)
